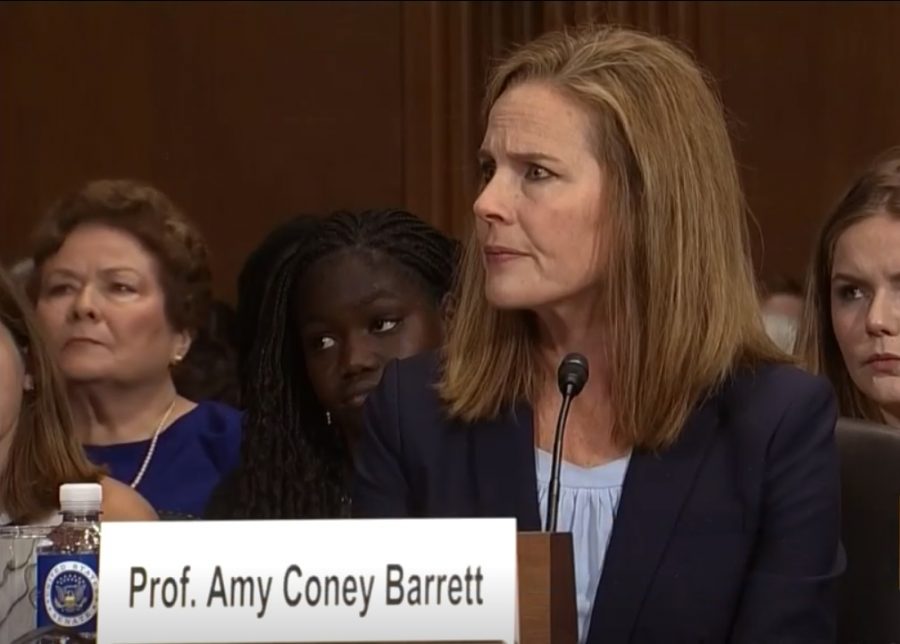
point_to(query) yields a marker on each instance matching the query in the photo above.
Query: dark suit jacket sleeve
(790, 592)
(380, 487)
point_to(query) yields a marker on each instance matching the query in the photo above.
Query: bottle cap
(80, 497)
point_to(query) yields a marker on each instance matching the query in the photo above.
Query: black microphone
(571, 376)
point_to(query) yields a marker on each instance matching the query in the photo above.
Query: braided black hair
(293, 464)
(251, 283)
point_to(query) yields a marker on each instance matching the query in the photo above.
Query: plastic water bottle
(67, 565)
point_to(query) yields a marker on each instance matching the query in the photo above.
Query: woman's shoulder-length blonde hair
(44, 452)
(681, 299)
(875, 191)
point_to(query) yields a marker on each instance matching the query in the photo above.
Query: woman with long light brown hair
(38, 450)
(700, 474)
(850, 331)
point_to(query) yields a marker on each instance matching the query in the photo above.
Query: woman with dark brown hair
(851, 320)
(38, 449)
(122, 285)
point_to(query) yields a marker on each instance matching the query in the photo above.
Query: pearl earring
(328, 418)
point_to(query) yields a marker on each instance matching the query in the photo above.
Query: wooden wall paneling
(443, 79)
(448, 50)
(56, 113)
(248, 112)
(423, 111)
(243, 112)
(812, 96)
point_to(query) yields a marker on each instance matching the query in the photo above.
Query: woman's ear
(448, 306)
(182, 345)
(27, 378)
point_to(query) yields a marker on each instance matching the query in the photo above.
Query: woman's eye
(487, 170)
(383, 326)
(848, 293)
(536, 173)
(323, 343)
(59, 289)
(120, 287)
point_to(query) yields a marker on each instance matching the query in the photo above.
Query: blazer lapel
(503, 459)
(653, 494)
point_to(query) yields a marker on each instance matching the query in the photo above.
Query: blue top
(588, 500)
(191, 456)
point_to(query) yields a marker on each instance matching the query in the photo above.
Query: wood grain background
(248, 113)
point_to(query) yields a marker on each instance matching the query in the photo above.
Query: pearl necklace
(149, 456)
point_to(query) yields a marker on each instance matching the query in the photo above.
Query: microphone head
(573, 374)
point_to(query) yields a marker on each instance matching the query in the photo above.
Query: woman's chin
(78, 374)
(509, 299)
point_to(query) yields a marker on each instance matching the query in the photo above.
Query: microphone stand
(556, 467)
(571, 378)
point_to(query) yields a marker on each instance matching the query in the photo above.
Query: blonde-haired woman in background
(700, 476)
(851, 323)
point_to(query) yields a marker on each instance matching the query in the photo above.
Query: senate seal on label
(70, 594)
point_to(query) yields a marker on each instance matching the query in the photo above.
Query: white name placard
(450, 580)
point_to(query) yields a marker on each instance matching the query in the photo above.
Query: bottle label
(67, 591)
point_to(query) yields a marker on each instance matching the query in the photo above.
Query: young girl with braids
(346, 295)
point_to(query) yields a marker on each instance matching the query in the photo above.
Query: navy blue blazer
(730, 535)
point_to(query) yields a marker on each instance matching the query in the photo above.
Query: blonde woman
(851, 323)
(700, 474)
